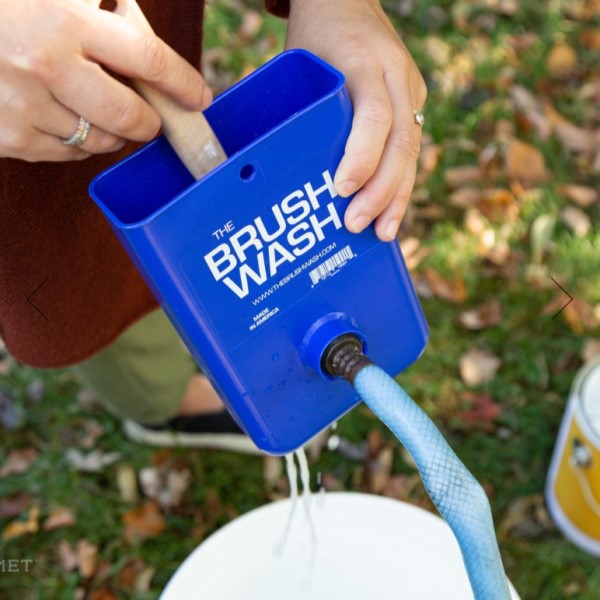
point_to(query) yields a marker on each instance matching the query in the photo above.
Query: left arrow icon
(37, 289)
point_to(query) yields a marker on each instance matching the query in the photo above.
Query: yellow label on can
(577, 484)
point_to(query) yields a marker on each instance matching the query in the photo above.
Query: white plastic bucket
(366, 547)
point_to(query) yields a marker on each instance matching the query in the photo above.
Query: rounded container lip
(587, 391)
(386, 525)
(235, 156)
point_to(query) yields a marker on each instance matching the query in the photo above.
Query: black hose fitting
(344, 357)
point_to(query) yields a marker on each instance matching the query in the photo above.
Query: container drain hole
(247, 172)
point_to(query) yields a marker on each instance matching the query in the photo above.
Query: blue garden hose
(457, 495)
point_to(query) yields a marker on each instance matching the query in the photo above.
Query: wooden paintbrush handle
(188, 131)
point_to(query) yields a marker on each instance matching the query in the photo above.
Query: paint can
(573, 483)
(362, 546)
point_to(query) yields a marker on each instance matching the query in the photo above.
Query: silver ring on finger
(419, 117)
(80, 134)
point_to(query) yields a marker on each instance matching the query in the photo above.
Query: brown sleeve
(67, 287)
(280, 8)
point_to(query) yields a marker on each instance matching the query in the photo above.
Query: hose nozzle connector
(344, 357)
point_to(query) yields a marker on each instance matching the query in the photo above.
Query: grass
(540, 355)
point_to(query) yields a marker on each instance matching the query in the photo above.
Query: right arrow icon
(567, 293)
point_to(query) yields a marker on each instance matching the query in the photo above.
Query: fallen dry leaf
(451, 291)
(591, 349)
(136, 576)
(496, 250)
(580, 316)
(36, 391)
(402, 486)
(483, 410)
(458, 76)
(561, 60)
(93, 462)
(16, 529)
(127, 483)
(250, 25)
(163, 458)
(92, 430)
(60, 517)
(86, 398)
(525, 163)
(18, 461)
(582, 10)
(591, 38)
(143, 522)
(590, 91)
(438, 50)
(144, 580)
(540, 236)
(83, 557)
(465, 197)
(167, 485)
(595, 166)
(576, 220)
(272, 470)
(14, 505)
(531, 110)
(523, 41)
(507, 8)
(379, 469)
(571, 589)
(67, 556)
(504, 131)
(7, 363)
(422, 286)
(456, 177)
(413, 252)
(375, 442)
(485, 315)
(499, 205)
(87, 554)
(475, 222)
(525, 518)
(315, 446)
(407, 458)
(428, 212)
(330, 482)
(429, 156)
(102, 594)
(581, 195)
(576, 138)
(478, 366)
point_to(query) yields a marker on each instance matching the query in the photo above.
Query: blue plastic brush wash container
(253, 264)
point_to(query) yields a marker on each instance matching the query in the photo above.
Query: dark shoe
(213, 430)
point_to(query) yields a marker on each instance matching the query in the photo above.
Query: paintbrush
(188, 131)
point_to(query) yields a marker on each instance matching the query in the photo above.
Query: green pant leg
(143, 374)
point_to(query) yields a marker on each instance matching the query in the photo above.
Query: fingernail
(357, 224)
(392, 229)
(346, 188)
(207, 97)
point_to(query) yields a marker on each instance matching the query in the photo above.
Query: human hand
(52, 54)
(380, 158)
